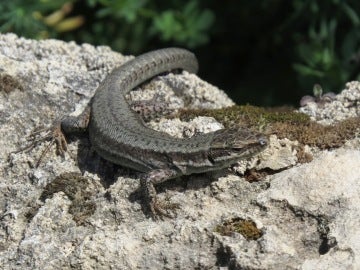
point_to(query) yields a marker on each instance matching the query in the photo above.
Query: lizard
(119, 135)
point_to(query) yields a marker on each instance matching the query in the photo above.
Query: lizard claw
(52, 134)
(161, 209)
(158, 208)
(59, 138)
(55, 135)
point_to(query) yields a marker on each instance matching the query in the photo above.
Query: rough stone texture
(345, 105)
(78, 212)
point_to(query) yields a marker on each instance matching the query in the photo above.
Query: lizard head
(232, 145)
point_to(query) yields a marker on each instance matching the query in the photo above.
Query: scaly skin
(119, 135)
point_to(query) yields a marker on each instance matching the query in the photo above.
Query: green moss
(246, 228)
(283, 122)
(315, 134)
(248, 116)
(76, 187)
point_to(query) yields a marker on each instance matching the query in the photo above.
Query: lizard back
(113, 123)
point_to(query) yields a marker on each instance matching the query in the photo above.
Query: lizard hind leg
(76, 124)
(68, 125)
(153, 108)
(55, 134)
(52, 134)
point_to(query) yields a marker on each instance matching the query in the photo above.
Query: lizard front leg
(148, 181)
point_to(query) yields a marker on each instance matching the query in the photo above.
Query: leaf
(307, 71)
(167, 25)
(351, 13)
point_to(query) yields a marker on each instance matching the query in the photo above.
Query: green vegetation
(327, 51)
(122, 24)
(263, 52)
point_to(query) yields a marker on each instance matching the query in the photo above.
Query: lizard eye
(263, 141)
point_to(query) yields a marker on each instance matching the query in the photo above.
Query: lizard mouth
(252, 145)
(242, 150)
(253, 148)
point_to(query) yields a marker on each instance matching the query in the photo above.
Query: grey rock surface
(78, 212)
(346, 104)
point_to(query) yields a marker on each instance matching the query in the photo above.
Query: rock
(78, 212)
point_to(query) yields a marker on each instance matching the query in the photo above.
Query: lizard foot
(52, 134)
(163, 208)
(56, 134)
(151, 109)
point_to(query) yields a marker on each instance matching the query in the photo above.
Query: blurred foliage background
(267, 53)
